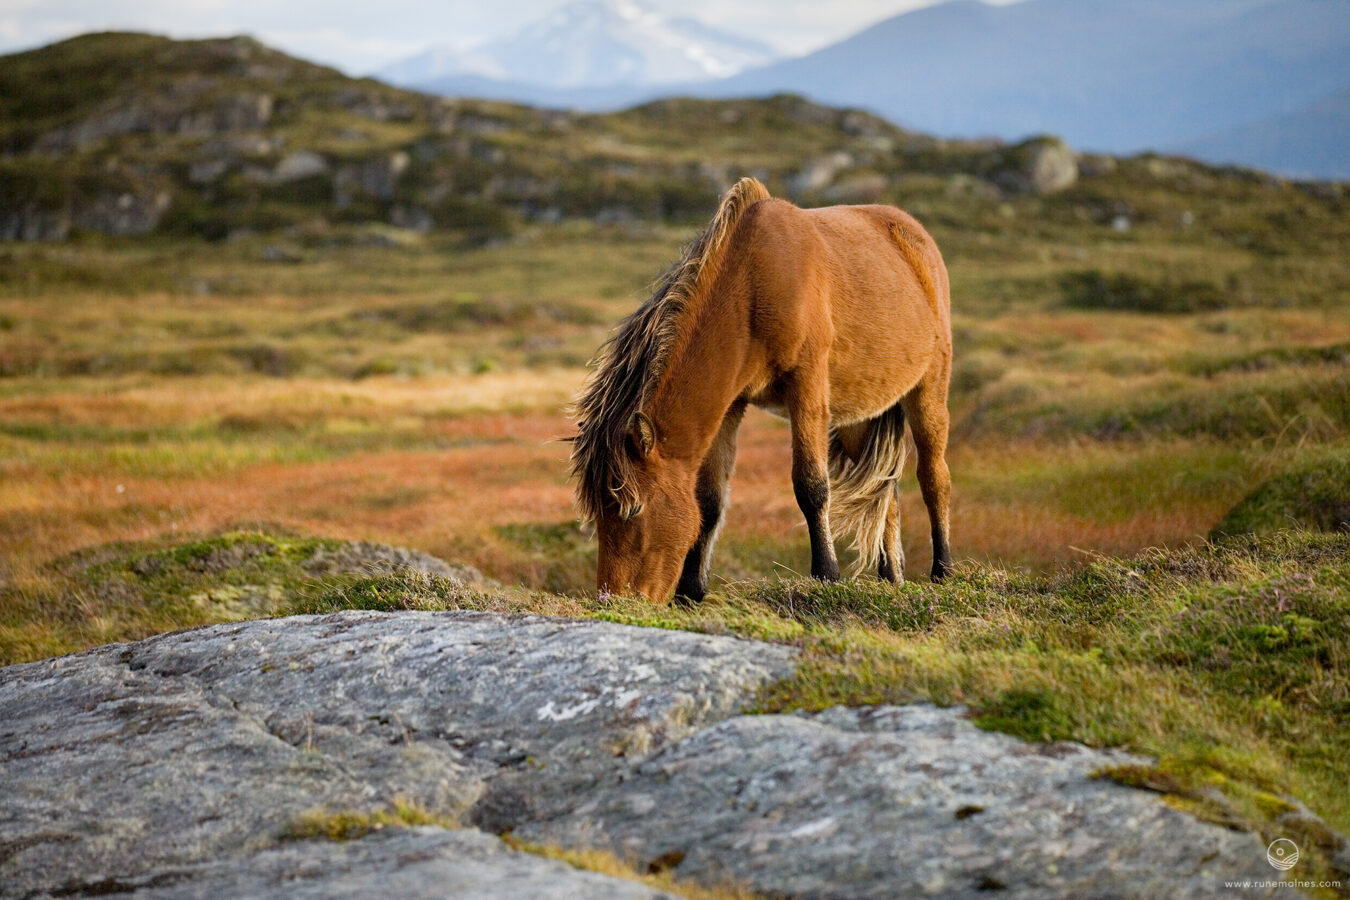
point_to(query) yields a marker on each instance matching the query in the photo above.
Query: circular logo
(1282, 854)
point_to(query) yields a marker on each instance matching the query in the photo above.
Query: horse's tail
(862, 489)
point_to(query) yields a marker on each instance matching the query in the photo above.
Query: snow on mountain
(593, 43)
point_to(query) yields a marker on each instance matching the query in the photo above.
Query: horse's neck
(702, 377)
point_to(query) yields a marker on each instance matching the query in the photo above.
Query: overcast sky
(360, 36)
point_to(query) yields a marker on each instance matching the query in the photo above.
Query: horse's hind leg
(929, 421)
(711, 490)
(809, 412)
(891, 565)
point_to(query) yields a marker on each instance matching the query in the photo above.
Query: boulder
(298, 165)
(124, 212)
(868, 187)
(382, 559)
(1041, 165)
(374, 178)
(817, 174)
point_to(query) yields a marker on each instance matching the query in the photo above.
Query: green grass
(1314, 494)
(1228, 663)
(1091, 289)
(122, 592)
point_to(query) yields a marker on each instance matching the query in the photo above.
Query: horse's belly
(843, 413)
(862, 385)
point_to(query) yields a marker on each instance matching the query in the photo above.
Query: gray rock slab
(176, 766)
(902, 802)
(206, 744)
(408, 863)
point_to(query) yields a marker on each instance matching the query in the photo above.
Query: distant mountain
(1111, 75)
(1311, 141)
(1117, 76)
(589, 44)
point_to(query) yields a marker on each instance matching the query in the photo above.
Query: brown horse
(839, 318)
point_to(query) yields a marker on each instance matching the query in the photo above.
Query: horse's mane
(629, 365)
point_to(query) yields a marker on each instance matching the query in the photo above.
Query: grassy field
(412, 392)
(1115, 395)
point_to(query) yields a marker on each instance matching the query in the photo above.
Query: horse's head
(649, 522)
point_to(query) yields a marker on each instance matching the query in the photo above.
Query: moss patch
(349, 825)
(657, 873)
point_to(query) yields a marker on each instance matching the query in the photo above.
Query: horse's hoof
(689, 598)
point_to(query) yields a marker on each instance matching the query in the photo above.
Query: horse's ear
(641, 435)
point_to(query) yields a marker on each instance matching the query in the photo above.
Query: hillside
(131, 134)
(125, 133)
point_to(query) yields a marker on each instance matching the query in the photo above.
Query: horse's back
(875, 255)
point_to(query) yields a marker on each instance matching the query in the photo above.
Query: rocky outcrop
(817, 174)
(31, 222)
(179, 113)
(48, 206)
(180, 765)
(298, 165)
(378, 559)
(124, 213)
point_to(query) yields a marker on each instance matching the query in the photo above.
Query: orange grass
(477, 468)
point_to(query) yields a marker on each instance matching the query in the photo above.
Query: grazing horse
(838, 318)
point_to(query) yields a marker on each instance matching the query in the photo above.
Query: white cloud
(354, 54)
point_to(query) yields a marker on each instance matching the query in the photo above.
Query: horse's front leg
(809, 410)
(713, 487)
